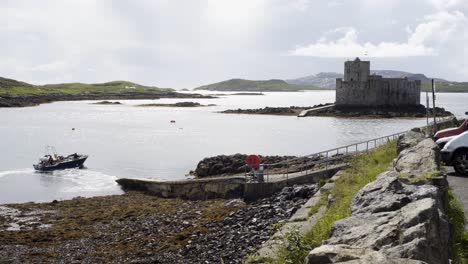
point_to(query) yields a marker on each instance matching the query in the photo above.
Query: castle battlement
(360, 88)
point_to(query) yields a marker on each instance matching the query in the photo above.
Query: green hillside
(13, 87)
(256, 86)
(447, 87)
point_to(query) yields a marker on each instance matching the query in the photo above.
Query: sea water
(142, 142)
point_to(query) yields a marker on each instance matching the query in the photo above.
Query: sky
(187, 43)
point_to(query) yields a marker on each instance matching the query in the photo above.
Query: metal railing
(305, 164)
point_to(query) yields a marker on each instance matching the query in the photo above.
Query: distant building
(360, 88)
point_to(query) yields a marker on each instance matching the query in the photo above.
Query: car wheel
(460, 162)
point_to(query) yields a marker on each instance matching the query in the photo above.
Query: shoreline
(35, 100)
(139, 227)
(328, 110)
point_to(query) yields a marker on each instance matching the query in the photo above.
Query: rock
(388, 193)
(234, 203)
(327, 186)
(419, 160)
(349, 254)
(416, 231)
(231, 164)
(409, 139)
(108, 103)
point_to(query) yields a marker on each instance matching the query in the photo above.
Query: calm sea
(141, 142)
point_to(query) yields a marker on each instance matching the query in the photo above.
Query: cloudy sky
(184, 44)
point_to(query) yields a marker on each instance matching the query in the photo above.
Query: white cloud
(348, 46)
(438, 27)
(426, 39)
(446, 4)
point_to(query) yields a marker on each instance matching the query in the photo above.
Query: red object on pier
(253, 161)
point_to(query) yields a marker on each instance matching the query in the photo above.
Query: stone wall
(378, 91)
(398, 218)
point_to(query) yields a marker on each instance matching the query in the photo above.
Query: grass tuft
(459, 245)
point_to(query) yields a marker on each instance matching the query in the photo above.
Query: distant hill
(324, 80)
(327, 80)
(274, 85)
(14, 87)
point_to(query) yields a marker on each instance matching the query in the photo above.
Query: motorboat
(55, 162)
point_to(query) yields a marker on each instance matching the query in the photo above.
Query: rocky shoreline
(34, 100)
(178, 104)
(226, 165)
(348, 111)
(107, 103)
(139, 228)
(287, 111)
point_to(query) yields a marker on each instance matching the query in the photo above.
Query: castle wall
(359, 88)
(378, 92)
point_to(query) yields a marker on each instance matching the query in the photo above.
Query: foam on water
(84, 180)
(13, 172)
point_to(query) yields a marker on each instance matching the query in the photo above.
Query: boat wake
(14, 172)
(87, 181)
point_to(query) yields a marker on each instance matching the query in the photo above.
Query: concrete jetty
(306, 112)
(226, 187)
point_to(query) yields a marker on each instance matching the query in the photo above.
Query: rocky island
(178, 104)
(348, 111)
(108, 103)
(14, 93)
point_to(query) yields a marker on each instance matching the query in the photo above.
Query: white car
(455, 153)
(442, 141)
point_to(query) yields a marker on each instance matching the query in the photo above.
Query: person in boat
(75, 156)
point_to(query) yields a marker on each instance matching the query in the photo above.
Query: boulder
(416, 231)
(352, 255)
(389, 193)
(419, 160)
(409, 139)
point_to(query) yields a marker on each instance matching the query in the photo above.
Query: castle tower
(357, 71)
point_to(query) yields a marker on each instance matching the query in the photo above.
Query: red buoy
(253, 161)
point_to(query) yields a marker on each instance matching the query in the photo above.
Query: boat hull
(77, 163)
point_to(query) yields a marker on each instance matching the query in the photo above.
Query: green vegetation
(425, 176)
(322, 202)
(363, 170)
(446, 87)
(460, 237)
(13, 87)
(256, 86)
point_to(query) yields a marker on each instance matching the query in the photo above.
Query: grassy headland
(19, 94)
(256, 86)
(446, 87)
(13, 87)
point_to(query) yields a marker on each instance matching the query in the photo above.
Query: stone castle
(361, 89)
